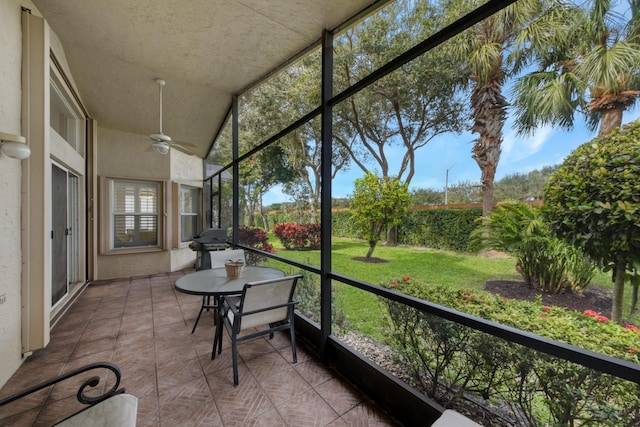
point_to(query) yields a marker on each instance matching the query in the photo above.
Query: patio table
(215, 283)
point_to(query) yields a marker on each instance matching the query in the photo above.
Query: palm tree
(593, 67)
(489, 50)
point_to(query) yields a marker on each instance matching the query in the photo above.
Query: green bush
(447, 229)
(342, 225)
(545, 262)
(439, 228)
(593, 201)
(448, 360)
(308, 295)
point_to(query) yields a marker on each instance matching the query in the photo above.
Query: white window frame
(197, 197)
(75, 122)
(108, 234)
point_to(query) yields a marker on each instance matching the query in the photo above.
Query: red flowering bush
(298, 236)
(632, 328)
(598, 317)
(255, 238)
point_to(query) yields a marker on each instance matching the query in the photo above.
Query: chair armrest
(82, 398)
(228, 302)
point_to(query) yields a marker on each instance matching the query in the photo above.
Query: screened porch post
(236, 174)
(325, 190)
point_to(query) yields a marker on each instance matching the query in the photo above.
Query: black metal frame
(80, 395)
(403, 402)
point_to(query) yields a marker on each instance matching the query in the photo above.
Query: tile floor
(144, 326)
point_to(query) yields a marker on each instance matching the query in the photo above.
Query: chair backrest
(219, 257)
(257, 296)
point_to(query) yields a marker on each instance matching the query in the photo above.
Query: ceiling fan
(161, 142)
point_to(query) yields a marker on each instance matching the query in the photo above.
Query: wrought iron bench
(112, 408)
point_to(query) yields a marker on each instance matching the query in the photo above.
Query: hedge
(435, 228)
(449, 361)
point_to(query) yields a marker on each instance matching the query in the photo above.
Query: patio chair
(217, 261)
(268, 302)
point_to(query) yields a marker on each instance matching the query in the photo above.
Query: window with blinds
(190, 209)
(135, 216)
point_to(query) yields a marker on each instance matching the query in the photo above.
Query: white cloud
(516, 148)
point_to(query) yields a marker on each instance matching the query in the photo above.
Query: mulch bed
(592, 298)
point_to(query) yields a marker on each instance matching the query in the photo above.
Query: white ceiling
(205, 50)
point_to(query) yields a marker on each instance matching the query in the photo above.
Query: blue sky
(520, 154)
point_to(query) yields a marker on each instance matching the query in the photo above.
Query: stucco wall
(10, 191)
(128, 155)
(185, 169)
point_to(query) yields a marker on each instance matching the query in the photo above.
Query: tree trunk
(265, 223)
(620, 275)
(489, 114)
(610, 119)
(372, 246)
(392, 236)
(250, 220)
(313, 218)
(635, 282)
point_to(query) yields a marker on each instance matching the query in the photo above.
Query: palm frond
(610, 70)
(547, 98)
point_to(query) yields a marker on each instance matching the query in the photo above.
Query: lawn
(437, 268)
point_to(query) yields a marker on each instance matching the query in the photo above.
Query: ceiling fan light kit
(160, 147)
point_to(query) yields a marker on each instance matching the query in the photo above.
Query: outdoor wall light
(14, 146)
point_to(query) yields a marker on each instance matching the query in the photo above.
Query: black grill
(209, 239)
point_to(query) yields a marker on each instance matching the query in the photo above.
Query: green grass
(438, 268)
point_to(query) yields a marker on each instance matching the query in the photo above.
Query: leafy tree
(258, 175)
(523, 187)
(492, 52)
(423, 197)
(407, 108)
(593, 201)
(278, 102)
(464, 192)
(592, 69)
(377, 203)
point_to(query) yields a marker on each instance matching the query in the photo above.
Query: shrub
(435, 228)
(377, 203)
(593, 201)
(298, 236)
(449, 360)
(308, 294)
(439, 228)
(255, 238)
(545, 262)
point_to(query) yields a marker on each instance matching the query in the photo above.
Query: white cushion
(451, 418)
(120, 410)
